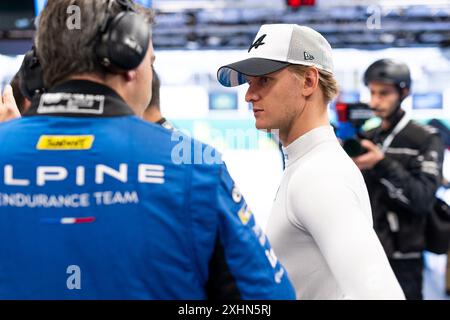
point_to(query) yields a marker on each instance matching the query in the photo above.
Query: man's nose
(374, 101)
(251, 95)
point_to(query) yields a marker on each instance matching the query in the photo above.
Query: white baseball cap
(275, 47)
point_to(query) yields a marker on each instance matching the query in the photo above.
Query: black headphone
(123, 39)
(31, 81)
(121, 45)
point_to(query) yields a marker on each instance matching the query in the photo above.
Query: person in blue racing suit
(96, 203)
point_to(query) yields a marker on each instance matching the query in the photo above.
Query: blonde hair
(327, 83)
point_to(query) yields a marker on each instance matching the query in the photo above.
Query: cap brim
(234, 74)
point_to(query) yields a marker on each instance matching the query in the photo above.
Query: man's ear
(130, 75)
(404, 93)
(311, 81)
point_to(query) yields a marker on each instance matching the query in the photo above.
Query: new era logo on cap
(275, 47)
(308, 56)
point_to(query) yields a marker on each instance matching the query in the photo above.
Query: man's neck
(389, 122)
(152, 114)
(90, 77)
(385, 125)
(305, 123)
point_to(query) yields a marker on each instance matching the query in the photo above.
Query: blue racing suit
(95, 203)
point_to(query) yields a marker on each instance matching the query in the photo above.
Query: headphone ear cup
(124, 44)
(31, 79)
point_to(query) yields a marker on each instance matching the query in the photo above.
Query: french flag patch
(68, 220)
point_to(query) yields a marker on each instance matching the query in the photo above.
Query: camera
(351, 118)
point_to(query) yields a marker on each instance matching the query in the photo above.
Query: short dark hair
(64, 52)
(156, 84)
(18, 96)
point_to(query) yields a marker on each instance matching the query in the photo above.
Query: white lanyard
(399, 127)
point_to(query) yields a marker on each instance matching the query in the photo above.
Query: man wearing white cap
(321, 222)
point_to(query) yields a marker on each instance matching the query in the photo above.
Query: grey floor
(434, 277)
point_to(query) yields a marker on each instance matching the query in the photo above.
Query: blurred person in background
(8, 106)
(402, 169)
(153, 111)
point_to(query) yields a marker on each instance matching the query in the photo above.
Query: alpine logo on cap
(308, 56)
(258, 42)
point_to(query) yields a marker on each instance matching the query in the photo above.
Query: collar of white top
(306, 142)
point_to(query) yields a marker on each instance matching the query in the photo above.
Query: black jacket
(402, 186)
